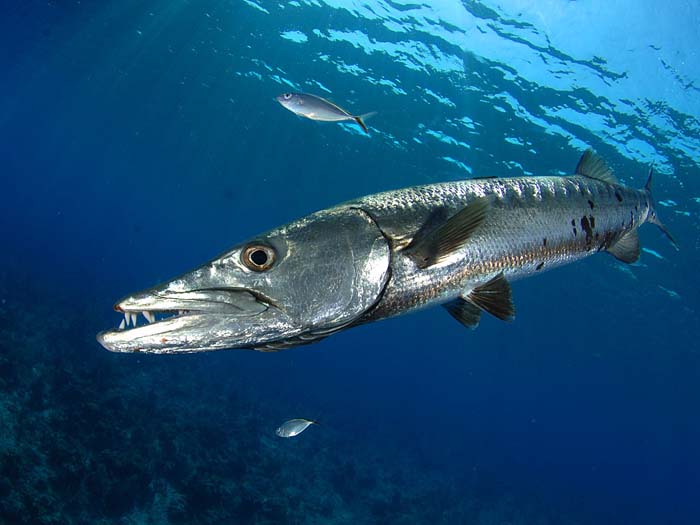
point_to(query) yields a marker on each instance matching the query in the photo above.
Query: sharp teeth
(122, 324)
(126, 318)
(149, 317)
(133, 317)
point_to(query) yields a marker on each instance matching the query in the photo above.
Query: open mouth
(131, 318)
(163, 322)
(164, 306)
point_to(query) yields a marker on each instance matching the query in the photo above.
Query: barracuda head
(290, 286)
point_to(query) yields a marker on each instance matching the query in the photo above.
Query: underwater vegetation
(92, 437)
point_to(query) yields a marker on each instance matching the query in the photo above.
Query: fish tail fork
(360, 119)
(652, 218)
(362, 124)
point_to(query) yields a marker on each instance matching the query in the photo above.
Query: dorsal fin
(593, 166)
(431, 247)
(626, 249)
(466, 312)
(494, 297)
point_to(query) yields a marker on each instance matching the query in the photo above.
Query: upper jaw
(218, 300)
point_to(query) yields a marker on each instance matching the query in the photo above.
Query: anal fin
(626, 249)
(494, 297)
(466, 312)
(431, 247)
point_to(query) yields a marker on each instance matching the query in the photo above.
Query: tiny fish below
(294, 427)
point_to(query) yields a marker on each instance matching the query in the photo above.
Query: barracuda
(457, 244)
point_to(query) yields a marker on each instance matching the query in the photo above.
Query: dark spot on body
(586, 227)
(544, 241)
(575, 232)
(539, 266)
(573, 222)
(618, 196)
(591, 204)
(592, 221)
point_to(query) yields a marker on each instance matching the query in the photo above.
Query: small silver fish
(294, 427)
(317, 108)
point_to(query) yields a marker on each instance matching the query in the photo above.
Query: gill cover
(331, 268)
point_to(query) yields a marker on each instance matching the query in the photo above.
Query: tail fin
(652, 218)
(360, 119)
(647, 186)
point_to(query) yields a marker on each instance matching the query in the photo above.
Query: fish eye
(258, 257)
(287, 96)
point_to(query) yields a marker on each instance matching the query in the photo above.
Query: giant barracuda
(458, 244)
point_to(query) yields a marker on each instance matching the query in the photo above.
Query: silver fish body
(317, 108)
(534, 224)
(458, 244)
(294, 427)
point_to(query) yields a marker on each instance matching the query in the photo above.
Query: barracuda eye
(287, 96)
(258, 257)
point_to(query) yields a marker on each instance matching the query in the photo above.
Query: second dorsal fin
(593, 166)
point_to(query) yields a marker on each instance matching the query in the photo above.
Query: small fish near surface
(317, 108)
(455, 244)
(294, 427)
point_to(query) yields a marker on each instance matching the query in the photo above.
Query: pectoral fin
(466, 312)
(494, 297)
(626, 249)
(431, 247)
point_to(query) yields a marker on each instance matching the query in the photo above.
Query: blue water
(140, 138)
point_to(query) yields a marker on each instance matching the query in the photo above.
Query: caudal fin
(652, 218)
(360, 119)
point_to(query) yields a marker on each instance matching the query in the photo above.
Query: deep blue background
(139, 139)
